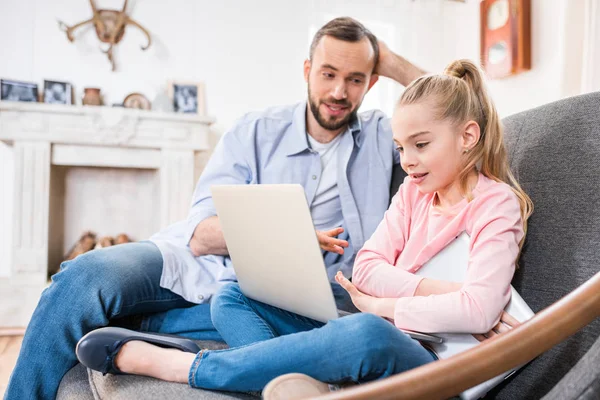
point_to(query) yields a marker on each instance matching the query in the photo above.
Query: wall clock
(505, 37)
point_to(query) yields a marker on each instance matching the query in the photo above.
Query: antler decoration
(110, 28)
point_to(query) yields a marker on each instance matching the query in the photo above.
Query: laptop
(451, 264)
(274, 249)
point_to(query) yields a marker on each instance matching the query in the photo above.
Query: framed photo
(187, 97)
(18, 91)
(57, 92)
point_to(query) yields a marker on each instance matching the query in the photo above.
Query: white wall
(249, 54)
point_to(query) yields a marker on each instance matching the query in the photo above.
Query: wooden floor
(9, 350)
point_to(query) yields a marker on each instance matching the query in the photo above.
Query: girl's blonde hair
(459, 95)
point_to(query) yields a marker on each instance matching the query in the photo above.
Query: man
(344, 162)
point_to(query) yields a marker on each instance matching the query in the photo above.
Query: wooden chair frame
(447, 378)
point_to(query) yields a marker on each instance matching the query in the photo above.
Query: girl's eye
(400, 149)
(421, 145)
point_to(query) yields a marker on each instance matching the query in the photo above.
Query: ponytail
(460, 95)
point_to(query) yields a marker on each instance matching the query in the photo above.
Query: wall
(249, 54)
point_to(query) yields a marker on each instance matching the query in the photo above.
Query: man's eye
(327, 75)
(421, 145)
(357, 81)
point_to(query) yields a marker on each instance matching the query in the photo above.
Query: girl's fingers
(500, 328)
(345, 283)
(479, 337)
(509, 319)
(491, 334)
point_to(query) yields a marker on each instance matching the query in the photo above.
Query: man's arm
(396, 67)
(230, 164)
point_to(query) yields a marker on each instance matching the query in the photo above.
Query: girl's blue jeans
(266, 342)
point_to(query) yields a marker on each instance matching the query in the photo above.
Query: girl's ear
(470, 135)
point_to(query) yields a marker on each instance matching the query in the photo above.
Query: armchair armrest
(446, 378)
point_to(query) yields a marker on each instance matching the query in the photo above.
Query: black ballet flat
(97, 350)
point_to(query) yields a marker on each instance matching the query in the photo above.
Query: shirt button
(314, 177)
(200, 297)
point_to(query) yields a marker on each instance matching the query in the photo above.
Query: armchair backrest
(555, 152)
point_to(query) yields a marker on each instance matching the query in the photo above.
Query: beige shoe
(294, 387)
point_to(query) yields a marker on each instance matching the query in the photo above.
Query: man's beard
(330, 124)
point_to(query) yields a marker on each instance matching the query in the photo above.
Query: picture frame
(187, 97)
(57, 92)
(12, 90)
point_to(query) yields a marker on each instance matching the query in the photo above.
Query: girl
(450, 140)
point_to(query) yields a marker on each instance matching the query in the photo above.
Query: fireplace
(67, 169)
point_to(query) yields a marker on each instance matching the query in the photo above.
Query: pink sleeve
(496, 230)
(374, 271)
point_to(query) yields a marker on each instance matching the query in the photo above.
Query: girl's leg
(357, 348)
(241, 321)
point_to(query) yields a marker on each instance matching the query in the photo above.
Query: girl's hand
(506, 323)
(363, 302)
(328, 241)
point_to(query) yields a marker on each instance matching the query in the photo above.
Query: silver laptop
(274, 249)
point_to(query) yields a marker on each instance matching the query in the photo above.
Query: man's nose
(339, 91)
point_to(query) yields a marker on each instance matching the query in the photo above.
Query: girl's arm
(374, 272)
(496, 231)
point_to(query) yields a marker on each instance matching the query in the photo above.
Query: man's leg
(192, 322)
(90, 290)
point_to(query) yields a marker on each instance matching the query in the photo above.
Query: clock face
(497, 15)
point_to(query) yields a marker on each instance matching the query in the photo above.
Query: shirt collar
(296, 142)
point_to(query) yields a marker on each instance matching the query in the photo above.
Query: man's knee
(81, 270)
(230, 294)
(91, 275)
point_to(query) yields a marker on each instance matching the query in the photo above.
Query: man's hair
(348, 30)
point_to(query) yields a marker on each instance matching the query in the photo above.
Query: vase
(91, 97)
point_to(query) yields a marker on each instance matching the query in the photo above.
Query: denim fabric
(271, 342)
(89, 292)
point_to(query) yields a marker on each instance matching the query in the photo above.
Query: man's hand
(506, 323)
(384, 57)
(208, 239)
(363, 302)
(328, 241)
(391, 65)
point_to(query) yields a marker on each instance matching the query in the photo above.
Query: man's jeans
(267, 342)
(97, 288)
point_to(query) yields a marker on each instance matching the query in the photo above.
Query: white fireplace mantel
(42, 135)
